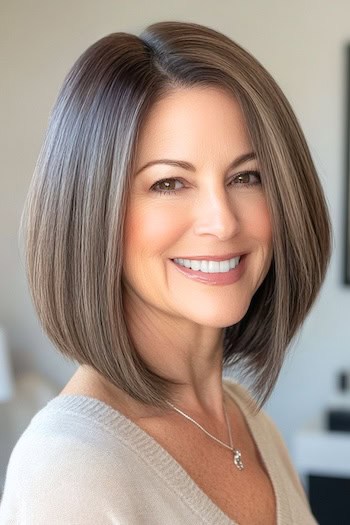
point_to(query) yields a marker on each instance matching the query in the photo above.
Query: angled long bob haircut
(73, 221)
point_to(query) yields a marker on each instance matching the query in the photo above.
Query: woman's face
(198, 239)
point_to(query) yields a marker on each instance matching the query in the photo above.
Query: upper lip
(211, 257)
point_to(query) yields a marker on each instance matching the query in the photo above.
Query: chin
(221, 319)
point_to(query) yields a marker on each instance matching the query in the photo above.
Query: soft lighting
(6, 379)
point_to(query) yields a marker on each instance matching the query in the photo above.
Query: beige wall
(300, 42)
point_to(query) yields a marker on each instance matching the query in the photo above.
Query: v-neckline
(165, 465)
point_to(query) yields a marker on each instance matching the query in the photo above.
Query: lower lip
(213, 278)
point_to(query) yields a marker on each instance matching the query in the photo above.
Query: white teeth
(209, 266)
(205, 266)
(214, 267)
(195, 265)
(234, 262)
(224, 266)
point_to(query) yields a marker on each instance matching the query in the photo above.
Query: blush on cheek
(260, 221)
(156, 230)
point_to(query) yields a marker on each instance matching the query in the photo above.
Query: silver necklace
(236, 454)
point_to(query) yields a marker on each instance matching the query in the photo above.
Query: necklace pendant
(237, 459)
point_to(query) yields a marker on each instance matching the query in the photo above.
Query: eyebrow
(190, 167)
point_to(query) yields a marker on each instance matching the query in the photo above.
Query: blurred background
(303, 45)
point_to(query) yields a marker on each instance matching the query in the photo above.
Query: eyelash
(174, 192)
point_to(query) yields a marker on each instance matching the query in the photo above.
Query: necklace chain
(237, 457)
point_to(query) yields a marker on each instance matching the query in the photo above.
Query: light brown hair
(74, 215)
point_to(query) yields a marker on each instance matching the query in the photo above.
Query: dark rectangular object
(329, 499)
(339, 420)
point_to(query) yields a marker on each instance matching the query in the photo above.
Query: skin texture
(177, 324)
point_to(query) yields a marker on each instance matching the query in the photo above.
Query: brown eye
(248, 178)
(167, 186)
(244, 178)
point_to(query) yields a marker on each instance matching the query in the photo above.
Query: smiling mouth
(209, 266)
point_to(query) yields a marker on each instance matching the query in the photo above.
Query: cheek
(260, 224)
(260, 231)
(152, 228)
(265, 229)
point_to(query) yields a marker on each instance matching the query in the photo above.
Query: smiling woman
(213, 213)
(175, 225)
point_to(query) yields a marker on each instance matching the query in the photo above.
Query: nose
(216, 215)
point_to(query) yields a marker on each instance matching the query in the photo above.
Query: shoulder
(69, 466)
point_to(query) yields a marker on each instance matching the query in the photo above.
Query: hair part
(74, 214)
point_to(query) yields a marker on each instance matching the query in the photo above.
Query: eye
(247, 178)
(167, 186)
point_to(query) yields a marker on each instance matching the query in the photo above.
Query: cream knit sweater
(80, 462)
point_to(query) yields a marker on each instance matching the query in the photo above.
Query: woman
(175, 225)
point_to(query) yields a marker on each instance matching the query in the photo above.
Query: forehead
(188, 120)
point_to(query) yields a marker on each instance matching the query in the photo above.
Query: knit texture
(80, 462)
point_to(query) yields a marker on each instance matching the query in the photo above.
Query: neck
(184, 352)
